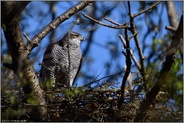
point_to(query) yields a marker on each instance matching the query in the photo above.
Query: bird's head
(75, 38)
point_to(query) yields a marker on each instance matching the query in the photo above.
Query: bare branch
(133, 58)
(141, 56)
(145, 10)
(68, 43)
(103, 24)
(116, 23)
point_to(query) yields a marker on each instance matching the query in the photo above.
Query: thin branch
(128, 69)
(145, 10)
(94, 81)
(76, 22)
(116, 23)
(103, 24)
(27, 37)
(98, 75)
(68, 43)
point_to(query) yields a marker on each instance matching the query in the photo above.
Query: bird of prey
(61, 60)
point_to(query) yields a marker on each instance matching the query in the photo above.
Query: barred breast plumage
(61, 60)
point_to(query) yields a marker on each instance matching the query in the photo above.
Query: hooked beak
(82, 38)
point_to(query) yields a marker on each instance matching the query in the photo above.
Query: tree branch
(128, 69)
(141, 56)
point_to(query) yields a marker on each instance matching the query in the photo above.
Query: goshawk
(61, 60)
